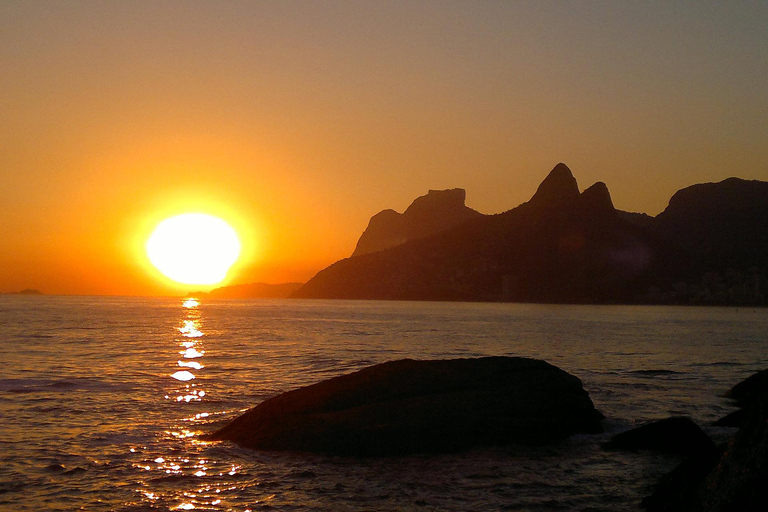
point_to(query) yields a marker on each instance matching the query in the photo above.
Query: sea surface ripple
(103, 399)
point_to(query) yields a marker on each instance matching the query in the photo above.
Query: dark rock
(748, 394)
(410, 406)
(435, 212)
(675, 435)
(676, 490)
(736, 479)
(734, 419)
(740, 479)
(750, 390)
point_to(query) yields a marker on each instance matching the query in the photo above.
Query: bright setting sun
(193, 248)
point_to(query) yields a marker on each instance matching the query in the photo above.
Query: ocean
(103, 399)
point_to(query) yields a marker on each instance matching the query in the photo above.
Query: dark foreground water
(102, 399)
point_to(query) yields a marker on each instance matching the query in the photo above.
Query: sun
(193, 248)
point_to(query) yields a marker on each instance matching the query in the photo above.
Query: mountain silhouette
(252, 291)
(724, 224)
(437, 211)
(558, 189)
(563, 245)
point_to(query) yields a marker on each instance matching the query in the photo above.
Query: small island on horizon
(26, 291)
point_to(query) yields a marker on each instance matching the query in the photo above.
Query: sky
(297, 121)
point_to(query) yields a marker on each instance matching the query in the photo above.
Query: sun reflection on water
(183, 375)
(190, 303)
(191, 329)
(190, 364)
(191, 345)
(177, 461)
(180, 473)
(192, 353)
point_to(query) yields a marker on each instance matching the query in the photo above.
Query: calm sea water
(98, 410)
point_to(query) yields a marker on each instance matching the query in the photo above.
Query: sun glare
(193, 248)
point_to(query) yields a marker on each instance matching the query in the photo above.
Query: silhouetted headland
(411, 406)
(252, 291)
(564, 246)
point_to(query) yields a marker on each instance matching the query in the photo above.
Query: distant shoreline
(206, 295)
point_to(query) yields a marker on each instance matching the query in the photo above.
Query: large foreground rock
(410, 406)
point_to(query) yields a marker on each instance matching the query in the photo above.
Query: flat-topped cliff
(435, 212)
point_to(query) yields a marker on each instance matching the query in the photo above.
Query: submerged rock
(675, 435)
(410, 406)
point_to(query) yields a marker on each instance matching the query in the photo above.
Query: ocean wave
(727, 364)
(654, 372)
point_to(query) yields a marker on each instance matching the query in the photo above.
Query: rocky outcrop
(675, 435)
(410, 406)
(751, 391)
(437, 211)
(748, 395)
(732, 479)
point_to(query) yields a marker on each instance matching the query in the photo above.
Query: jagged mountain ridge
(561, 246)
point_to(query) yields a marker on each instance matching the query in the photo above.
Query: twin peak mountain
(563, 245)
(441, 210)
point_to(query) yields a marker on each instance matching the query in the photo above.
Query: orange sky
(297, 121)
